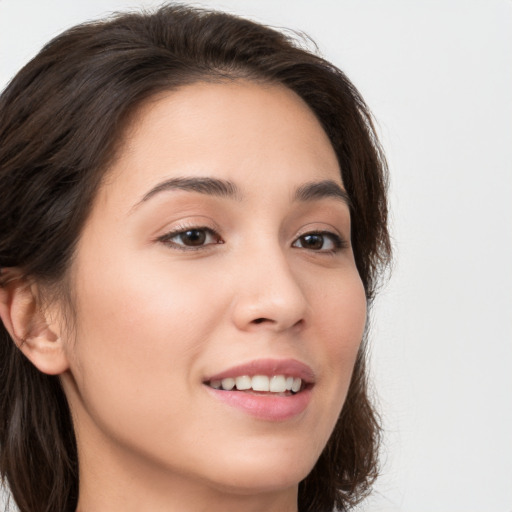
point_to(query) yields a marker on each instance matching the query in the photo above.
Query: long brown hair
(61, 122)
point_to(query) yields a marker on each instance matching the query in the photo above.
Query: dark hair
(62, 120)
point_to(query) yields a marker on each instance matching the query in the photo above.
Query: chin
(250, 483)
(263, 474)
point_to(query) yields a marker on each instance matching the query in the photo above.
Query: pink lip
(268, 407)
(288, 367)
(264, 407)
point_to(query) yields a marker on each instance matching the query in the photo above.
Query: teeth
(244, 382)
(297, 383)
(260, 383)
(278, 384)
(228, 384)
(274, 384)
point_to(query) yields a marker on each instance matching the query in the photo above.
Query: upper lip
(288, 367)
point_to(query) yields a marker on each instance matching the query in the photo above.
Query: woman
(193, 222)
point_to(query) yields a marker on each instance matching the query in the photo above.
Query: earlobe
(33, 332)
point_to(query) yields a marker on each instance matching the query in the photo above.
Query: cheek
(124, 305)
(139, 334)
(340, 305)
(341, 321)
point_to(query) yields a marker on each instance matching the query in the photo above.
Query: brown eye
(321, 242)
(193, 238)
(314, 242)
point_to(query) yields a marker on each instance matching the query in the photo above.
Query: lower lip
(265, 407)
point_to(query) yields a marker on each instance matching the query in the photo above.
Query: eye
(320, 241)
(192, 238)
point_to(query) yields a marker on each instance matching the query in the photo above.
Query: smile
(267, 389)
(259, 383)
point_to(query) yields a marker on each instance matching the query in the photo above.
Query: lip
(289, 367)
(267, 407)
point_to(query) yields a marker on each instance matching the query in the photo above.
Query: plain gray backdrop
(438, 77)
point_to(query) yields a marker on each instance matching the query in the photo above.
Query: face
(217, 256)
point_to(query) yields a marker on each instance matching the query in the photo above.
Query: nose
(268, 295)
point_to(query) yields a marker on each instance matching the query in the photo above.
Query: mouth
(274, 390)
(272, 385)
(270, 377)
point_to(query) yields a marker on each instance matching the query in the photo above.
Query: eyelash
(338, 243)
(167, 237)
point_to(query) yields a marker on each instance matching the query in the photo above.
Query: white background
(438, 77)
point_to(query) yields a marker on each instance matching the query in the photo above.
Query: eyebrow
(315, 190)
(202, 185)
(312, 191)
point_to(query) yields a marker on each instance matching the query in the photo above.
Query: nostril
(259, 320)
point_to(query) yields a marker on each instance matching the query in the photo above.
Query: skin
(155, 317)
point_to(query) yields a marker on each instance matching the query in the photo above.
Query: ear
(35, 333)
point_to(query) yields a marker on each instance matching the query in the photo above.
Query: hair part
(63, 118)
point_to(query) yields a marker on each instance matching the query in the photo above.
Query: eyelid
(337, 240)
(324, 227)
(167, 237)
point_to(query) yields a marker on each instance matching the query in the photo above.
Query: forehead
(239, 130)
